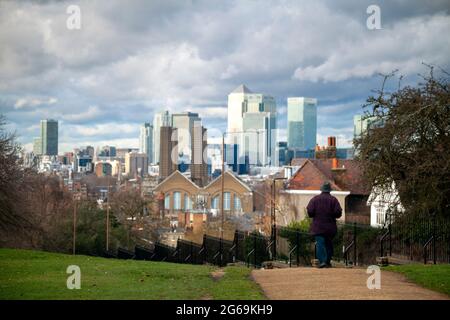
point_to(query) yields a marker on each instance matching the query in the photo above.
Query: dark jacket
(324, 209)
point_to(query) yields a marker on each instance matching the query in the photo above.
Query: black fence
(419, 238)
(424, 238)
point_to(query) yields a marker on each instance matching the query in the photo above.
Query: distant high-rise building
(49, 137)
(146, 141)
(362, 123)
(106, 152)
(136, 164)
(302, 123)
(199, 167)
(185, 123)
(252, 112)
(37, 146)
(161, 119)
(168, 151)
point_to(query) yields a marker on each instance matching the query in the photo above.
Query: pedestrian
(324, 209)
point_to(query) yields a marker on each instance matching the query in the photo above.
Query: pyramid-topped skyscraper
(254, 113)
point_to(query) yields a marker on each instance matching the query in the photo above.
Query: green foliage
(297, 234)
(90, 232)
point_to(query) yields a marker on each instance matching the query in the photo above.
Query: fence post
(204, 249)
(236, 248)
(297, 250)
(254, 248)
(434, 238)
(221, 252)
(354, 244)
(390, 236)
(274, 241)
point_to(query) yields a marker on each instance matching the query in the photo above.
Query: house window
(187, 202)
(380, 215)
(226, 200)
(237, 203)
(215, 202)
(177, 201)
(167, 202)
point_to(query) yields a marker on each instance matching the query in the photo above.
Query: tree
(409, 148)
(11, 178)
(128, 205)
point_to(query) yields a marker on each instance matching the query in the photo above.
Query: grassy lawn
(435, 277)
(26, 274)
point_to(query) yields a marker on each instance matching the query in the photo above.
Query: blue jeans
(324, 249)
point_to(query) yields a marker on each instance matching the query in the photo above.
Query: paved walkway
(337, 284)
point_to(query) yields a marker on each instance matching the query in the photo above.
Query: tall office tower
(361, 124)
(185, 122)
(136, 164)
(161, 119)
(199, 164)
(302, 123)
(237, 101)
(252, 112)
(37, 146)
(49, 137)
(146, 141)
(168, 151)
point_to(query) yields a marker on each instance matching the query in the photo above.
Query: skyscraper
(168, 153)
(250, 113)
(161, 119)
(49, 137)
(185, 123)
(37, 146)
(302, 123)
(146, 141)
(362, 123)
(199, 167)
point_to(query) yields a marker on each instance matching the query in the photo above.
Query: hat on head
(326, 187)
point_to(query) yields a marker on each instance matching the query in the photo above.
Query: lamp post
(107, 216)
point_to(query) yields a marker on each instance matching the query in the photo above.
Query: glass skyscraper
(161, 119)
(49, 137)
(302, 123)
(146, 141)
(254, 114)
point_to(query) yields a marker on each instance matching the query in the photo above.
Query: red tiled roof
(314, 172)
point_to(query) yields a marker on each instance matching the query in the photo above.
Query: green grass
(26, 274)
(434, 277)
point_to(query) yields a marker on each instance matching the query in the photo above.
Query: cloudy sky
(133, 58)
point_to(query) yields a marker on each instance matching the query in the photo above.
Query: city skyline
(91, 86)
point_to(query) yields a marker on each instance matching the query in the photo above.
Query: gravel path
(337, 284)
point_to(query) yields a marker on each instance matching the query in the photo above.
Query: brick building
(179, 194)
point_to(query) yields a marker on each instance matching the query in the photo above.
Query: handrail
(247, 257)
(290, 255)
(382, 241)
(425, 246)
(269, 245)
(346, 250)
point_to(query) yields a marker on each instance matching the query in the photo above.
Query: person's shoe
(322, 265)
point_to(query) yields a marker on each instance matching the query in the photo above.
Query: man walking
(324, 209)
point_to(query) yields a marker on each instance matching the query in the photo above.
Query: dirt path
(337, 283)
